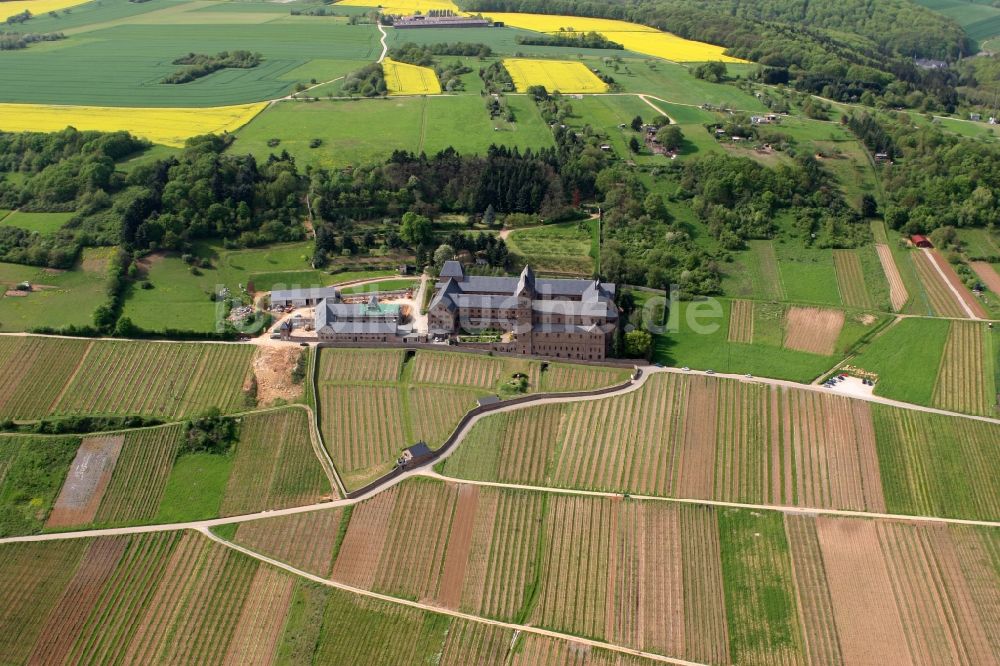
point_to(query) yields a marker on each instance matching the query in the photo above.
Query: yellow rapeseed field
(167, 126)
(634, 37)
(405, 79)
(562, 75)
(36, 7)
(404, 7)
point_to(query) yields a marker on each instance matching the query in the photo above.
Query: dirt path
(645, 98)
(385, 47)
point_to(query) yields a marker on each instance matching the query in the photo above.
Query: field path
(960, 298)
(645, 98)
(385, 47)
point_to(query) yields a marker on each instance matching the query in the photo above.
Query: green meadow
(42, 223)
(180, 298)
(59, 298)
(906, 357)
(566, 247)
(697, 336)
(355, 131)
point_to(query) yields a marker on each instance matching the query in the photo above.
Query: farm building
(358, 322)
(920, 241)
(548, 317)
(421, 21)
(415, 455)
(302, 298)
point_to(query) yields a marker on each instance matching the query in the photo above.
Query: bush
(210, 433)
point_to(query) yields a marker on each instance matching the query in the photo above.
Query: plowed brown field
(813, 330)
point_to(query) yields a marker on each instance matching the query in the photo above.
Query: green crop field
(354, 132)
(136, 49)
(981, 20)
(59, 298)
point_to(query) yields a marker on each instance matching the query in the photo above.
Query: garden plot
(86, 482)
(741, 321)
(813, 330)
(898, 294)
(851, 280)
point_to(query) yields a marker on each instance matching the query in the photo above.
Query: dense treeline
(199, 65)
(936, 179)
(506, 179)
(739, 199)
(423, 54)
(164, 204)
(835, 49)
(63, 171)
(894, 26)
(369, 81)
(582, 40)
(13, 41)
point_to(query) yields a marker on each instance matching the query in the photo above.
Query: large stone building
(547, 317)
(357, 322)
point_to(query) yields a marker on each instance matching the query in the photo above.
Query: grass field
(138, 42)
(420, 124)
(32, 470)
(906, 358)
(567, 247)
(181, 300)
(171, 127)
(980, 20)
(404, 79)
(60, 298)
(41, 223)
(698, 335)
(675, 82)
(554, 75)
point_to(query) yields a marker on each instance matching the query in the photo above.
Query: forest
(834, 49)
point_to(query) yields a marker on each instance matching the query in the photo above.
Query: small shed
(415, 455)
(920, 241)
(487, 400)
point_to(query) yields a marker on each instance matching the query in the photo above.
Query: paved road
(446, 611)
